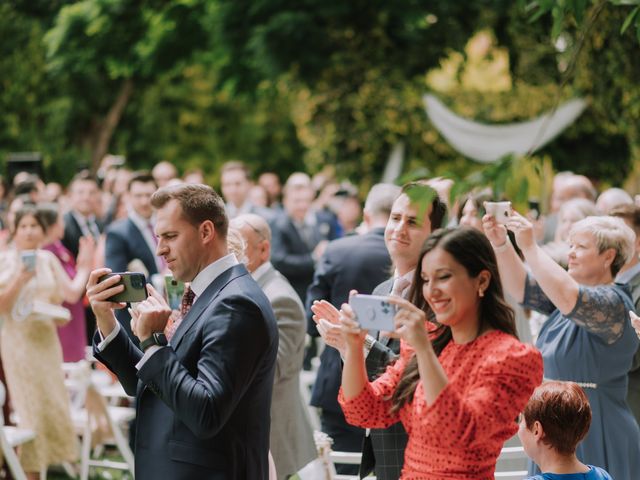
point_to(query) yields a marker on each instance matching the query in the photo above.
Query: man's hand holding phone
(151, 315)
(100, 294)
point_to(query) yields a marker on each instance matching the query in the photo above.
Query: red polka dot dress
(460, 435)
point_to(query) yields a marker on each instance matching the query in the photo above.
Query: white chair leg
(12, 461)
(123, 447)
(70, 470)
(85, 453)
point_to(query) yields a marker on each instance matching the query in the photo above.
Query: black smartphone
(534, 209)
(135, 287)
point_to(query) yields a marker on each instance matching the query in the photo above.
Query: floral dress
(32, 360)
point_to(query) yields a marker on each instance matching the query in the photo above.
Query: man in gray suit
(291, 440)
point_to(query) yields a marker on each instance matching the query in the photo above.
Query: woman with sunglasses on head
(458, 384)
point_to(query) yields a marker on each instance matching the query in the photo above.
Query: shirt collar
(139, 220)
(212, 271)
(259, 272)
(627, 275)
(406, 276)
(81, 219)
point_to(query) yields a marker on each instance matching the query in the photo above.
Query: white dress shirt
(199, 284)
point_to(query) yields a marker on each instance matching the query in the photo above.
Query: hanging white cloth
(488, 143)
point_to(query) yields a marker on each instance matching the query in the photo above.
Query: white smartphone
(374, 312)
(500, 210)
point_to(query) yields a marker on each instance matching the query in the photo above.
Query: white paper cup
(500, 210)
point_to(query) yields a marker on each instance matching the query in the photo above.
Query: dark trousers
(346, 438)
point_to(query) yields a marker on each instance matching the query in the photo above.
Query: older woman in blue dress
(588, 338)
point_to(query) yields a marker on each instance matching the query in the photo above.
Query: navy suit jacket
(291, 256)
(357, 262)
(125, 243)
(204, 401)
(73, 232)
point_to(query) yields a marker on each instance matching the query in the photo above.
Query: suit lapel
(295, 233)
(266, 277)
(149, 259)
(204, 300)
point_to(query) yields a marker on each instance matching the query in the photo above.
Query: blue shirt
(594, 473)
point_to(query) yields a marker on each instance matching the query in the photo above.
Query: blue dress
(573, 348)
(594, 473)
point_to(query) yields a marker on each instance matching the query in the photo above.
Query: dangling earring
(480, 293)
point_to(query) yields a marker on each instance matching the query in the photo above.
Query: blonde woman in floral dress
(29, 345)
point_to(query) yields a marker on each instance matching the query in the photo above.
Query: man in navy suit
(300, 234)
(80, 220)
(132, 238)
(357, 262)
(204, 399)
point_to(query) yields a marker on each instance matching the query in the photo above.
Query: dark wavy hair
(471, 249)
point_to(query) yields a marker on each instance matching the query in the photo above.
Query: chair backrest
(512, 462)
(8, 454)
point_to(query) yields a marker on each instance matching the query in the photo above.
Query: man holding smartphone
(407, 229)
(204, 399)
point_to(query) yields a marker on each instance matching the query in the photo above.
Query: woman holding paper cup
(588, 338)
(33, 284)
(458, 386)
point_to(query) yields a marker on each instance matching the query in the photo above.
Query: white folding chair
(97, 422)
(512, 462)
(10, 438)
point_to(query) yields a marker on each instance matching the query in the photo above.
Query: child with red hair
(555, 420)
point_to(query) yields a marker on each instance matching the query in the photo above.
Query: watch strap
(156, 338)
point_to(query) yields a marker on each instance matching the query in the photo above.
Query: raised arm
(364, 404)
(513, 273)
(74, 288)
(11, 290)
(554, 281)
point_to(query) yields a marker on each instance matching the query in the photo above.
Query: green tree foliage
(113, 47)
(300, 85)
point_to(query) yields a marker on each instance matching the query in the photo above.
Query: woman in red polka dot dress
(457, 387)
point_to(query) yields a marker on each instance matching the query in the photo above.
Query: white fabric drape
(488, 143)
